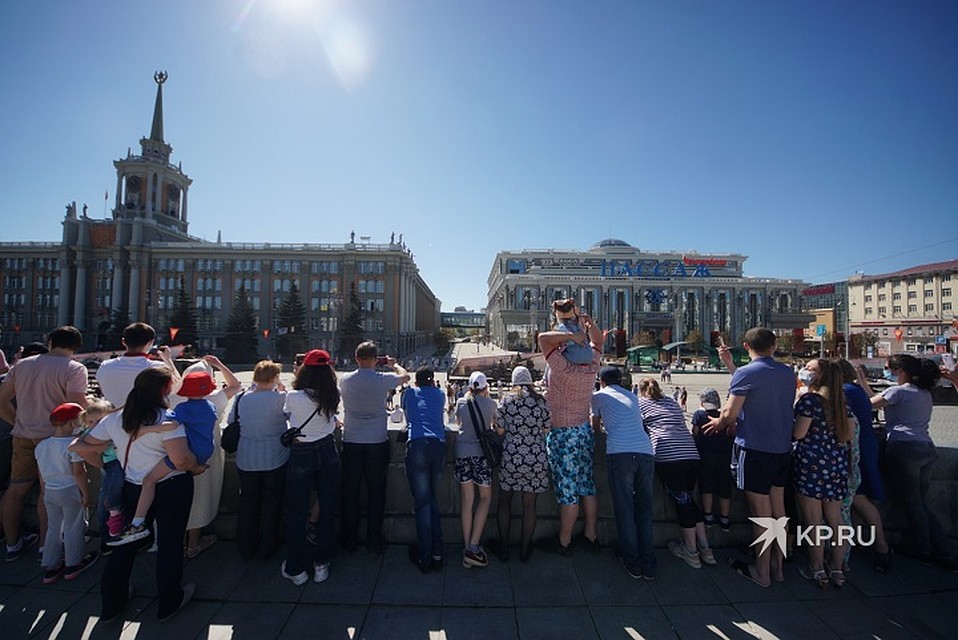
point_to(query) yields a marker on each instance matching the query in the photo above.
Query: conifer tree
(241, 331)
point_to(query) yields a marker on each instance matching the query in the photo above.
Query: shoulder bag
(229, 440)
(290, 436)
(490, 442)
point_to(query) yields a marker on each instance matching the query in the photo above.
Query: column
(160, 198)
(183, 206)
(134, 306)
(63, 313)
(119, 191)
(116, 289)
(79, 303)
(149, 193)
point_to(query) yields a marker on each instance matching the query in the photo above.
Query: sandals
(205, 543)
(882, 561)
(837, 578)
(742, 568)
(819, 576)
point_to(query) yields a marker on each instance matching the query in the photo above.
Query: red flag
(265, 333)
(173, 332)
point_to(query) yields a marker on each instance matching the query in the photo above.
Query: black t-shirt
(717, 443)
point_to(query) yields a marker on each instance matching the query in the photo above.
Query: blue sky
(815, 137)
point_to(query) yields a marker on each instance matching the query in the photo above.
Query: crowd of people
(795, 445)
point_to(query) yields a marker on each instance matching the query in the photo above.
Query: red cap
(316, 357)
(197, 384)
(66, 412)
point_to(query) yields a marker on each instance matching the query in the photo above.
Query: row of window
(14, 282)
(912, 295)
(911, 282)
(48, 282)
(912, 308)
(19, 264)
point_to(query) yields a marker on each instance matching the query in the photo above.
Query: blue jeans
(908, 466)
(630, 482)
(311, 464)
(425, 459)
(111, 494)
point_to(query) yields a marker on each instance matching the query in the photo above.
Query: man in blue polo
(761, 399)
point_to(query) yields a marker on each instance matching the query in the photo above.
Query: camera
(382, 361)
(300, 359)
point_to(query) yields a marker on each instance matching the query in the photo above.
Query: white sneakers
(320, 574)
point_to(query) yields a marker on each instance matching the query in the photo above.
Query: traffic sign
(820, 330)
(941, 340)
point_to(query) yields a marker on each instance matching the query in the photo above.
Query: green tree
(351, 329)
(183, 317)
(643, 339)
(695, 339)
(241, 331)
(861, 342)
(291, 334)
(119, 319)
(785, 343)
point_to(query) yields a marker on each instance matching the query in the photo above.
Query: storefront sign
(655, 269)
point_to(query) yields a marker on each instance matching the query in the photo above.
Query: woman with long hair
(910, 453)
(523, 418)
(140, 447)
(313, 463)
(823, 428)
(677, 465)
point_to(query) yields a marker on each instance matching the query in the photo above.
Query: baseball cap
(477, 380)
(65, 412)
(197, 384)
(709, 398)
(316, 357)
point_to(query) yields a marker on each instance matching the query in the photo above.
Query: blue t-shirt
(198, 417)
(425, 408)
(766, 421)
(574, 352)
(620, 414)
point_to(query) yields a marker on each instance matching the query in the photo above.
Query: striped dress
(665, 421)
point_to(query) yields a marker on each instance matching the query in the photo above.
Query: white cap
(477, 380)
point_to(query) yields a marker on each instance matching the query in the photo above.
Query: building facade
(668, 294)
(134, 262)
(911, 311)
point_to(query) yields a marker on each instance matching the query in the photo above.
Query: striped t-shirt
(671, 439)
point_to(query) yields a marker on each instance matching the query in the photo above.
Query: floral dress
(524, 466)
(820, 461)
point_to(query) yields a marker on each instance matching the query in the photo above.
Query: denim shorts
(569, 450)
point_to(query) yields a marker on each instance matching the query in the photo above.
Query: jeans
(111, 494)
(908, 467)
(425, 460)
(369, 461)
(171, 509)
(260, 507)
(311, 464)
(630, 482)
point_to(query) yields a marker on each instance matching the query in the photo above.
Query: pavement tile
(859, 619)
(402, 583)
(7, 591)
(408, 623)
(31, 610)
(466, 623)
(217, 571)
(262, 582)
(488, 586)
(546, 580)
(21, 572)
(784, 620)
(804, 589)
(925, 615)
(605, 581)
(631, 623)
(556, 623)
(239, 621)
(189, 622)
(82, 620)
(677, 583)
(326, 621)
(709, 621)
(352, 580)
(737, 589)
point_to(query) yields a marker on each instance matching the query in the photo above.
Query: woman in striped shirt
(677, 464)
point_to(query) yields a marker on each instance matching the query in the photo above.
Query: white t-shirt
(145, 451)
(116, 376)
(299, 406)
(56, 463)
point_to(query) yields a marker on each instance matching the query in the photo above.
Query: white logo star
(775, 531)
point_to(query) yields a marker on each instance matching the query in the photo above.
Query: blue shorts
(569, 450)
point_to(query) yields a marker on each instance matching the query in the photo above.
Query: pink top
(570, 389)
(42, 382)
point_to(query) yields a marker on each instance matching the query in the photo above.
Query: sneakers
(553, 545)
(414, 558)
(130, 535)
(320, 572)
(52, 575)
(114, 524)
(706, 556)
(474, 558)
(691, 558)
(709, 519)
(71, 573)
(188, 590)
(724, 523)
(25, 542)
(299, 579)
(592, 546)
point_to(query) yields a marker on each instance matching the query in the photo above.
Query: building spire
(156, 131)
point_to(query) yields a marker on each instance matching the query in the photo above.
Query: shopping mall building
(133, 263)
(667, 293)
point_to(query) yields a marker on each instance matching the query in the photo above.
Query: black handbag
(489, 440)
(231, 434)
(290, 436)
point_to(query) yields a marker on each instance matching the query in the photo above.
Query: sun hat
(709, 398)
(521, 375)
(477, 380)
(316, 357)
(197, 384)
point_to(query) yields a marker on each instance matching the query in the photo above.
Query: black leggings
(679, 479)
